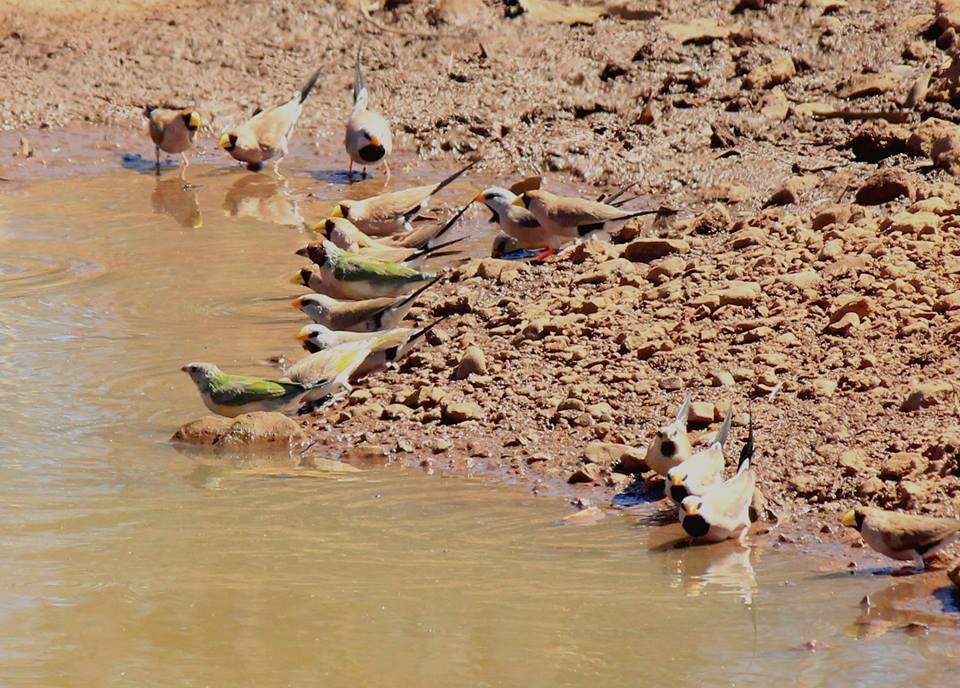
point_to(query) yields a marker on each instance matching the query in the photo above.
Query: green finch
(231, 395)
(346, 275)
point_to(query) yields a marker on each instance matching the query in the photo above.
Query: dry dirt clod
(885, 186)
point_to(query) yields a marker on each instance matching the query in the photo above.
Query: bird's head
(314, 251)
(228, 141)
(853, 519)
(502, 245)
(678, 488)
(302, 277)
(315, 338)
(314, 305)
(192, 120)
(201, 373)
(691, 505)
(372, 138)
(691, 517)
(325, 228)
(342, 210)
(497, 199)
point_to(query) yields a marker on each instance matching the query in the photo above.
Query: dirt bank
(808, 147)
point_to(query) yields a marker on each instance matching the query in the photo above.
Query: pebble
(473, 362)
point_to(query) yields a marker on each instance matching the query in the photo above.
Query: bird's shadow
(638, 492)
(340, 176)
(138, 163)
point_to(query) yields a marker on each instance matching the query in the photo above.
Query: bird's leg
(363, 173)
(543, 255)
(743, 538)
(156, 150)
(186, 160)
(386, 167)
(350, 170)
(276, 168)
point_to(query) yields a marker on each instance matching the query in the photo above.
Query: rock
(804, 485)
(886, 185)
(911, 223)
(621, 458)
(700, 30)
(806, 279)
(585, 517)
(587, 473)
(813, 109)
(473, 362)
(460, 412)
(739, 293)
(766, 76)
(824, 387)
(666, 269)
(843, 326)
(863, 85)
(928, 131)
(721, 378)
(395, 411)
(926, 394)
(853, 462)
(701, 413)
(878, 139)
(715, 219)
(851, 303)
(257, 429)
(648, 249)
(831, 215)
(791, 189)
(954, 574)
(900, 465)
(369, 455)
(774, 105)
(870, 487)
(945, 153)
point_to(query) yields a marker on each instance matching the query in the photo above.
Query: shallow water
(125, 563)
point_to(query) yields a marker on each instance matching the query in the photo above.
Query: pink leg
(350, 171)
(543, 255)
(386, 167)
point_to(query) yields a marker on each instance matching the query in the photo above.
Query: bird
(385, 347)
(231, 395)
(172, 130)
(516, 221)
(670, 445)
(367, 139)
(393, 212)
(702, 470)
(266, 135)
(425, 235)
(723, 511)
(903, 537)
(368, 315)
(346, 275)
(345, 235)
(572, 219)
(328, 371)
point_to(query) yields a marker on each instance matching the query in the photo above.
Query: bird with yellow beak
(368, 139)
(172, 131)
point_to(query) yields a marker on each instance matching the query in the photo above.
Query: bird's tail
(422, 332)
(413, 295)
(360, 92)
(746, 454)
(433, 248)
(683, 412)
(724, 432)
(310, 83)
(446, 228)
(413, 212)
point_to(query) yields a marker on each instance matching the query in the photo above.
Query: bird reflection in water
(262, 198)
(179, 200)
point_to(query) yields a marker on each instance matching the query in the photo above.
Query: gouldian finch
(670, 445)
(392, 213)
(231, 395)
(723, 511)
(572, 219)
(703, 470)
(901, 536)
(369, 315)
(345, 275)
(266, 135)
(367, 139)
(172, 130)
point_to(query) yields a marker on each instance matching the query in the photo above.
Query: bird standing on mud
(723, 511)
(367, 139)
(266, 135)
(901, 536)
(368, 315)
(670, 445)
(172, 131)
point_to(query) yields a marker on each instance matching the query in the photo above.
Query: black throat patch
(695, 525)
(679, 493)
(371, 153)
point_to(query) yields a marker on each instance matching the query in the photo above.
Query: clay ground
(808, 147)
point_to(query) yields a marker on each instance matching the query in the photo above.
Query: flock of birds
(366, 275)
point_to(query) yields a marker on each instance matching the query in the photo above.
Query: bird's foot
(543, 255)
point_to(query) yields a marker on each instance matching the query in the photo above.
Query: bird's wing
(574, 212)
(725, 504)
(274, 124)
(243, 389)
(390, 206)
(902, 531)
(354, 268)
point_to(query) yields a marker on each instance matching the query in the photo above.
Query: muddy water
(125, 564)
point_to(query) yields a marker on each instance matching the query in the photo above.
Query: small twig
(897, 117)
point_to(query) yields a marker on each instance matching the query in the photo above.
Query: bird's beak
(849, 519)
(185, 369)
(478, 198)
(690, 509)
(224, 142)
(375, 140)
(197, 222)
(320, 228)
(676, 481)
(303, 335)
(297, 302)
(297, 279)
(195, 120)
(303, 251)
(336, 212)
(518, 201)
